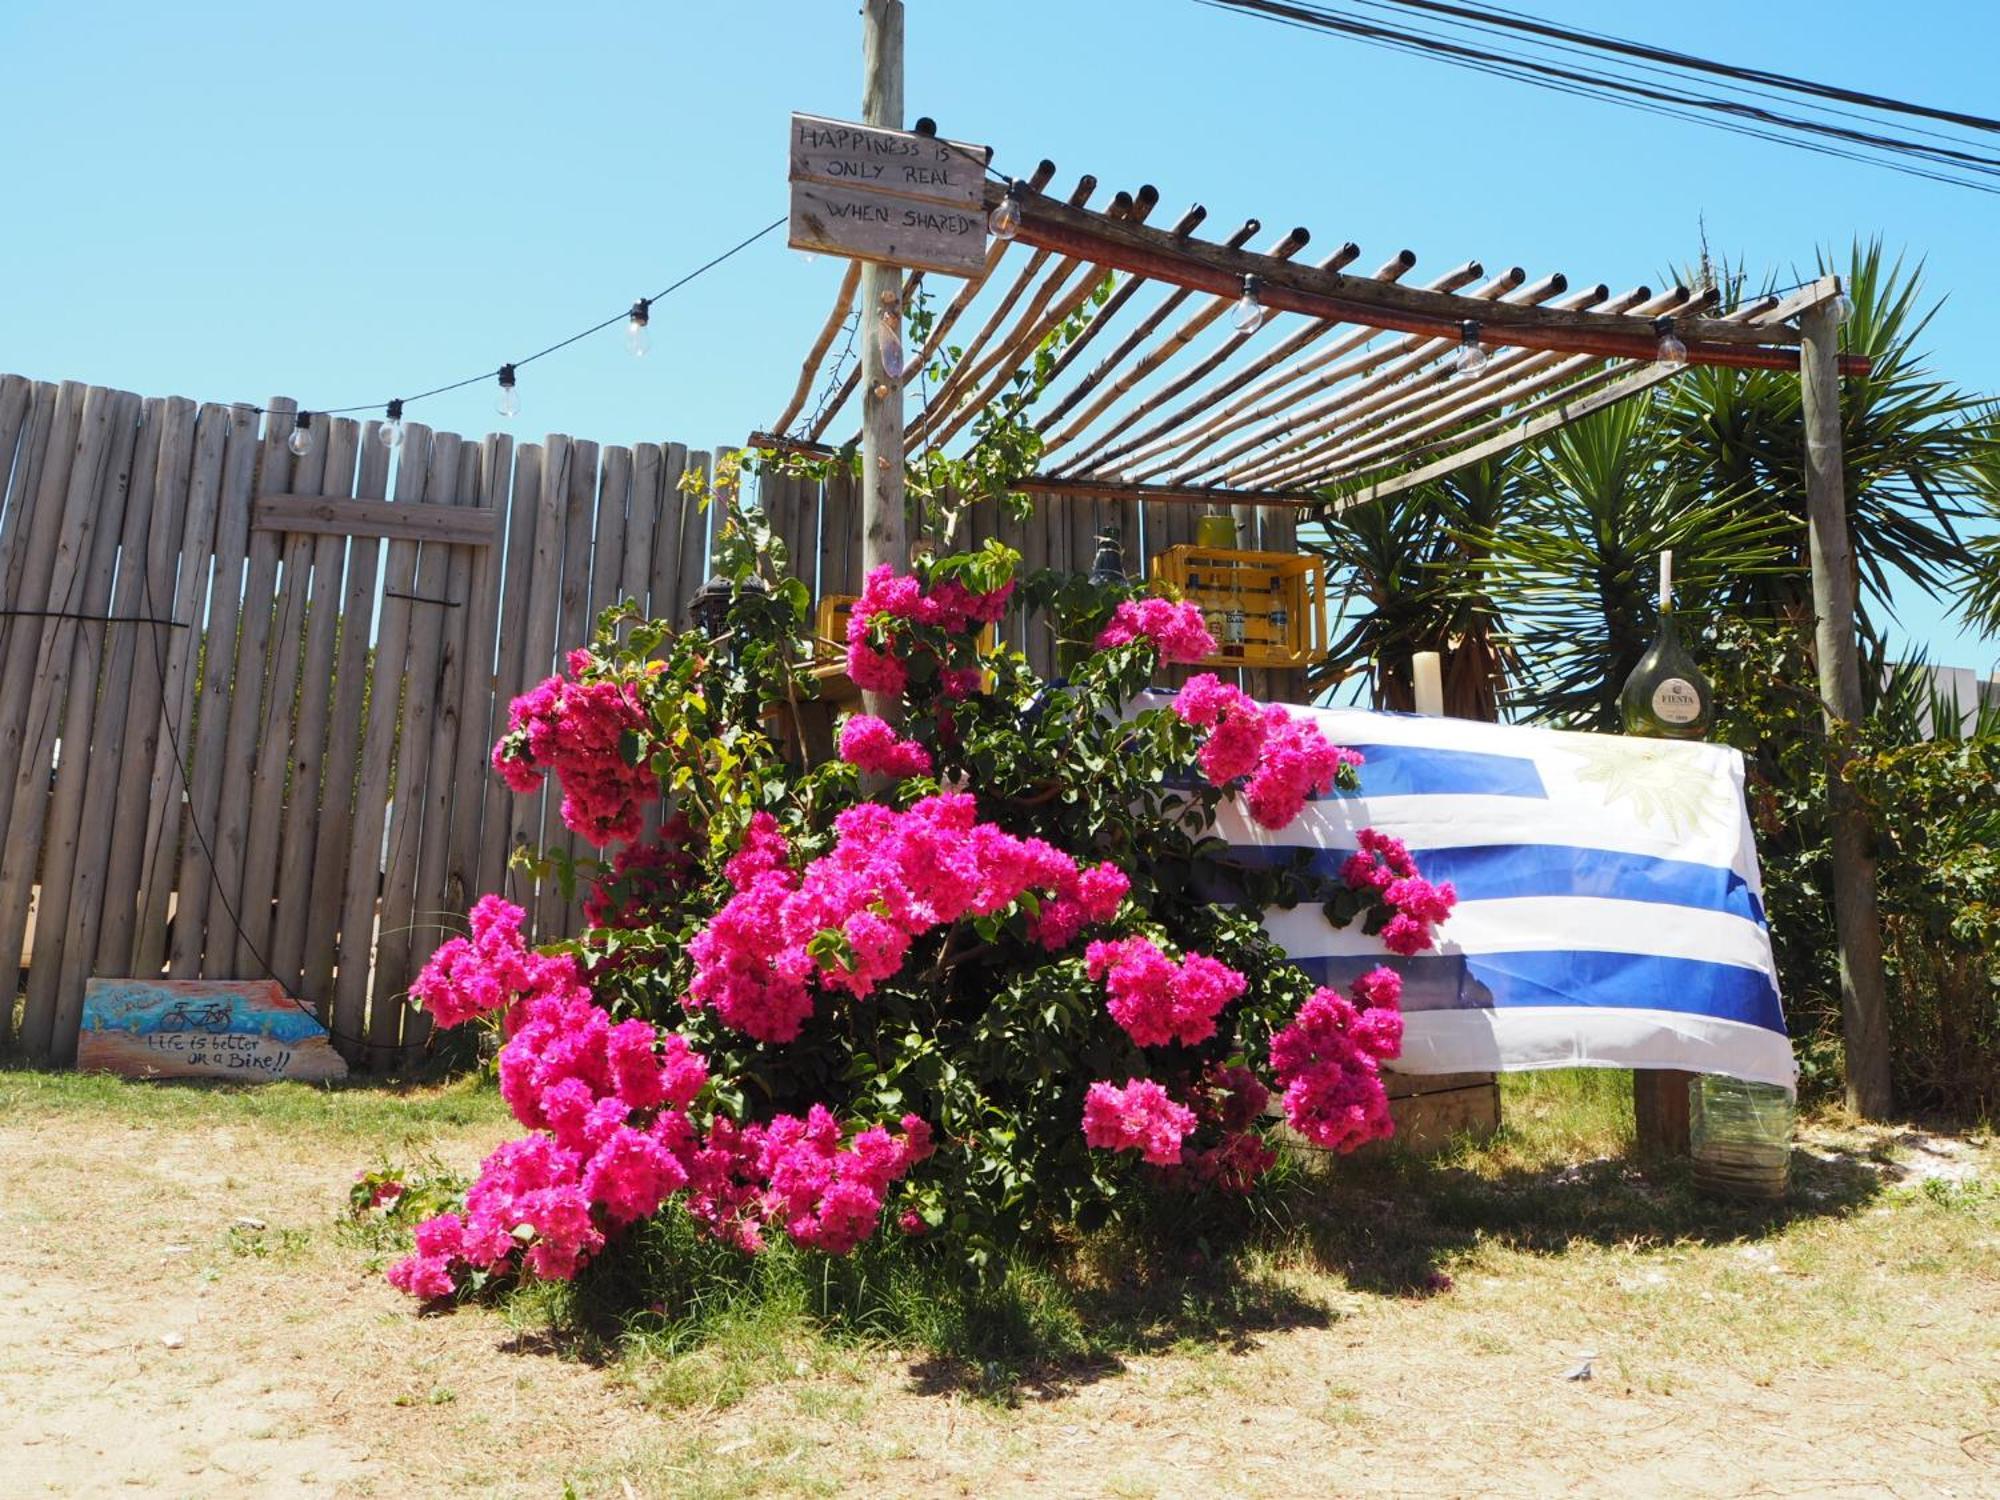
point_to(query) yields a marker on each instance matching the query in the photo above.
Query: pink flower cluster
(642, 878)
(1286, 760)
(1156, 1000)
(1140, 1116)
(889, 599)
(889, 878)
(1177, 631)
(1231, 1100)
(797, 1175)
(606, 1102)
(576, 729)
(1383, 865)
(870, 744)
(494, 968)
(611, 1139)
(1329, 1061)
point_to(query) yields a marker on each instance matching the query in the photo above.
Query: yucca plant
(1575, 573)
(1910, 441)
(1408, 574)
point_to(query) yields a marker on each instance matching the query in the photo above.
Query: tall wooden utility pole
(884, 534)
(1864, 1010)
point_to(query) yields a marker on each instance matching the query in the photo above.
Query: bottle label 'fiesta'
(1676, 702)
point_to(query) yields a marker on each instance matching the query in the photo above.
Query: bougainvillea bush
(960, 975)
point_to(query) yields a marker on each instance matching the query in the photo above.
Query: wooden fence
(246, 697)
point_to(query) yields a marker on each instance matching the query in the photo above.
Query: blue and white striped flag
(1610, 910)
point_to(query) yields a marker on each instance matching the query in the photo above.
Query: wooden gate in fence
(247, 697)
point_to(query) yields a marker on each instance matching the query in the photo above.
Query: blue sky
(232, 201)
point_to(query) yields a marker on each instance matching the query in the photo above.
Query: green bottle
(1666, 697)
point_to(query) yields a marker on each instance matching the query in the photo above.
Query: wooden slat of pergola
(1348, 387)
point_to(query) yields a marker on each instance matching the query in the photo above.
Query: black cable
(1739, 118)
(618, 317)
(1517, 20)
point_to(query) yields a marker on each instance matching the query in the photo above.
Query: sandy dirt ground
(179, 1316)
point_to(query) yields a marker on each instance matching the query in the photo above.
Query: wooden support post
(1863, 990)
(884, 532)
(1660, 1111)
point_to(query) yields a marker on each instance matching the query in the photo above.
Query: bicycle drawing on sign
(184, 1015)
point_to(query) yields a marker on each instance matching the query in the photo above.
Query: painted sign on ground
(248, 1031)
(887, 195)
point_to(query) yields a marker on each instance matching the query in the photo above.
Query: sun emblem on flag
(1655, 779)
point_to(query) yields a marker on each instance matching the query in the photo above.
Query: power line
(1936, 163)
(1603, 41)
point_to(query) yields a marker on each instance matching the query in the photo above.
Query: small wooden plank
(155, 646)
(607, 558)
(1426, 1123)
(206, 783)
(427, 607)
(17, 418)
(693, 549)
(572, 631)
(232, 949)
(50, 427)
(345, 730)
(839, 536)
(899, 162)
(166, 805)
(337, 515)
(497, 824)
(248, 1032)
(76, 769)
(299, 838)
(642, 514)
(863, 224)
(121, 748)
(73, 586)
(362, 1029)
(48, 521)
(669, 535)
(539, 614)
(477, 795)
(332, 451)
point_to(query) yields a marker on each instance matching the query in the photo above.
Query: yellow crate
(1282, 598)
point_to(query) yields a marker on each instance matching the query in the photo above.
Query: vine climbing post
(1863, 999)
(884, 530)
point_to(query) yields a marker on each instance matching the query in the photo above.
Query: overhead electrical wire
(1955, 164)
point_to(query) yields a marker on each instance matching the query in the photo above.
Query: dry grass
(1406, 1329)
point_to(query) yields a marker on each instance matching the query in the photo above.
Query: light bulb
(1247, 316)
(638, 342)
(1843, 308)
(509, 404)
(1472, 356)
(891, 343)
(391, 431)
(1670, 351)
(301, 440)
(1005, 220)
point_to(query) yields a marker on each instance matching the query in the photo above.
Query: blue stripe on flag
(1592, 981)
(1494, 872)
(1419, 770)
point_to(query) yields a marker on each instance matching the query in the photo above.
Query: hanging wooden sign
(890, 196)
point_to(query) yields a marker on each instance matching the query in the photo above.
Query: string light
(890, 339)
(1843, 306)
(1247, 316)
(391, 431)
(1671, 350)
(1005, 220)
(1472, 356)
(509, 404)
(301, 440)
(638, 342)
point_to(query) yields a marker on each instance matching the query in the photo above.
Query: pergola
(1351, 386)
(1350, 389)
